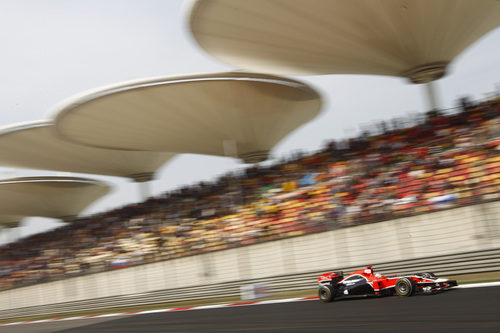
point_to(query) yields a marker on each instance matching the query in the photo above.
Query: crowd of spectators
(442, 161)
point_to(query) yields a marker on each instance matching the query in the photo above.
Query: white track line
(214, 306)
(478, 285)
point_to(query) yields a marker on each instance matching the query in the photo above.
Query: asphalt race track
(460, 310)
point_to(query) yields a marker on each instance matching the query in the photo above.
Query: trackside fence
(462, 263)
(448, 242)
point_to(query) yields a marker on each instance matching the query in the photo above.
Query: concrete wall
(463, 229)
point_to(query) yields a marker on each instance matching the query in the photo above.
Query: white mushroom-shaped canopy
(228, 114)
(36, 145)
(53, 197)
(409, 38)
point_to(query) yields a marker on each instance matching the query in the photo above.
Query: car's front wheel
(326, 293)
(404, 287)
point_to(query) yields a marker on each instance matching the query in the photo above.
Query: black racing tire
(404, 287)
(326, 293)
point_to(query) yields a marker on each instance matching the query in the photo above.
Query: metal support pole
(431, 96)
(144, 190)
(142, 180)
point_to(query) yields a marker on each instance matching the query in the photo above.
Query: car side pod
(326, 293)
(405, 287)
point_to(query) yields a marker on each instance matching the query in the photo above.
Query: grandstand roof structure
(54, 197)
(415, 39)
(227, 114)
(36, 145)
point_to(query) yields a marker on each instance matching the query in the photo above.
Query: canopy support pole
(143, 180)
(431, 96)
(144, 190)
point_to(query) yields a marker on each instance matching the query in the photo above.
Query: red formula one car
(364, 282)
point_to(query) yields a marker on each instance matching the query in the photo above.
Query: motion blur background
(53, 50)
(378, 177)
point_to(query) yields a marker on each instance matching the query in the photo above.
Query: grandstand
(447, 160)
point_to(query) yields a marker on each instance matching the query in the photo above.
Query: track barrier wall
(454, 241)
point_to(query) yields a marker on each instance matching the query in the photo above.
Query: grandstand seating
(443, 162)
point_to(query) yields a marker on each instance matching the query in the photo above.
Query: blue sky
(54, 49)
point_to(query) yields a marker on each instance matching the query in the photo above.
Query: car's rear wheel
(326, 293)
(404, 287)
